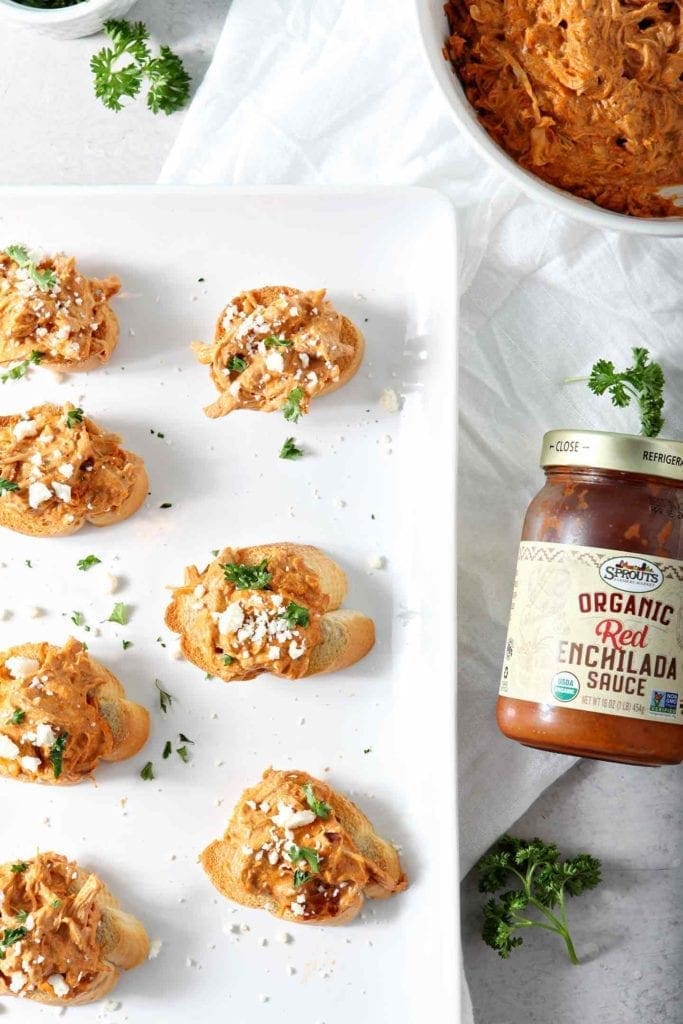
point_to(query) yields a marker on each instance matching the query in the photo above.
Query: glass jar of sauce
(594, 656)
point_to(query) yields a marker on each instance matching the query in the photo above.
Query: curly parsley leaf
(87, 563)
(272, 341)
(44, 279)
(169, 82)
(643, 383)
(236, 364)
(19, 371)
(248, 577)
(8, 485)
(73, 417)
(290, 449)
(165, 698)
(545, 881)
(295, 615)
(17, 717)
(121, 69)
(292, 407)
(297, 854)
(19, 867)
(57, 753)
(319, 807)
(119, 614)
(147, 772)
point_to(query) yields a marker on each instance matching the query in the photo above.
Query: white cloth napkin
(337, 92)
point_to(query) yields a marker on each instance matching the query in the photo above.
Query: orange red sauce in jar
(594, 656)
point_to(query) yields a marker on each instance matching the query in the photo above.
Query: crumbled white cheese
(274, 362)
(389, 400)
(45, 737)
(231, 619)
(18, 981)
(63, 491)
(376, 562)
(112, 583)
(287, 817)
(21, 668)
(154, 949)
(66, 470)
(30, 764)
(296, 909)
(25, 428)
(8, 749)
(37, 494)
(59, 986)
(296, 650)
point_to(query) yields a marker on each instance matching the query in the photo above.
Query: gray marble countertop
(629, 933)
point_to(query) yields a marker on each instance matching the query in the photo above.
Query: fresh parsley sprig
(642, 382)
(8, 485)
(292, 406)
(248, 577)
(290, 449)
(56, 754)
(319, 807)
(44, 279)
(120, 70)
(19, 371)
(296, 615)
(544, 880)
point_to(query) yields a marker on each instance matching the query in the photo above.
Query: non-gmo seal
(633, 574)
(565, 686)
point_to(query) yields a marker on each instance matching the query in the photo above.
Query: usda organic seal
(565, 686)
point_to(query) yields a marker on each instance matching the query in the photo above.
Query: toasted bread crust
(83, 939)
(354, 863)
(329, 640)
(75, 695)
(329, 375)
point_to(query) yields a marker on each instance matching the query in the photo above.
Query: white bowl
(434, 30)
(66, 22)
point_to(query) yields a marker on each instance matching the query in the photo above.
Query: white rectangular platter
(373, 483)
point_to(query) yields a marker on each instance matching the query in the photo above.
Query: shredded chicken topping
(243, 632)
(49, 916)
(587, 94)
(304, 865)
(58, 465)
(48, 704)
(67, 322)
(261, 353)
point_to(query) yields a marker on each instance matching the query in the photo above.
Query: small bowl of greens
(64, 19)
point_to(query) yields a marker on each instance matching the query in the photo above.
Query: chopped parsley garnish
(119, 614)
(147, 772)
(126, 644)
(292, 407)
(57, 753)
(542, 881)
(183, 754)
(215, 552)
(228, 659)
(87, 563)
(272, 341)
(236, 364)
(17, 717)
(290, 450)
(644, 382)
(21, 916)
(295, 615)
(78, 618)
(248, 577)
(44, 279)
(20, 369)
(319, 807)
(185, 739)
(28, 562)
(120, 69)
(10, 936)
(56, 904)
(8, 485)
(160, 642)
(166, 504)
(301, 877)
(168, 749)
(299, 853)
(165, 698)
(20, 866)
(73, 417)
(367, 750)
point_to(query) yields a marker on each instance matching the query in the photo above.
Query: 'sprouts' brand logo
(632, 574)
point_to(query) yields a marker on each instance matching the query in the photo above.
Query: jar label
(596, 630)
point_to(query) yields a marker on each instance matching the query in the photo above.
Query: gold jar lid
(627, 453)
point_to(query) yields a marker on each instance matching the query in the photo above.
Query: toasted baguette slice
(105, 485)
(85, 939)
(236, 634)
(76, 697)
(333, 346)
(345, 861)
